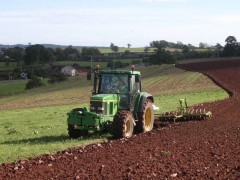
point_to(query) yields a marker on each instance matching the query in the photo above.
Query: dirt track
(208, 149)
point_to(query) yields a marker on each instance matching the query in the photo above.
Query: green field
(33, 122)
(15, 87)
(10, 88)
(94, 63)
(10, 66)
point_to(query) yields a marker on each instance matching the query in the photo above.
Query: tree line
(188, 51)
(38, 54)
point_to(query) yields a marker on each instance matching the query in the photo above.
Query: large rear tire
(145, 118)
(123, 124)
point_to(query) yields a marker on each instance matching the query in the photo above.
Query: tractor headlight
(100, 108)
(92, 108)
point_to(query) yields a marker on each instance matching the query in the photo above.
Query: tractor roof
(119, 72)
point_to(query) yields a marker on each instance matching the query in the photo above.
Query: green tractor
(117, 105)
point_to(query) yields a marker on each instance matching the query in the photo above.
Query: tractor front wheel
(145, 117)
(123, 124)
(76, 133)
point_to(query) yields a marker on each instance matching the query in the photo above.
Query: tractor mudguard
(143, 99)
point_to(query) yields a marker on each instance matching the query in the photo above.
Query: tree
(36, 54)
(238, 48)
(163, 43)
(171, 45)
(15, 53)
(229, 49)
(218, 46)
(127, 52)
(179, 44)
(146, 49)
(90, 52)
(35, 82)
(59, 54)
(117, 64)
(203, 45)
(146, 61)
(185, 49)
(191, 47)
(52, 52)
(86, 52)
(111, 46)
(136, 62)
(231, 40)
(161, 56)
(160, 43)
(154, 44)
(71, 51)
(114, 48)
(231, 46)
(129, 45)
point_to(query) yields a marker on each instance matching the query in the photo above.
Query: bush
(35, 82)
(57, 78)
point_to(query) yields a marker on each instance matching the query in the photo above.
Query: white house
(68, 70)
(23, 75)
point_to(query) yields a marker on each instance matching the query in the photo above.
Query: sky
(121, 22)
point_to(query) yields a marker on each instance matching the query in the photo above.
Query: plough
(184, 112)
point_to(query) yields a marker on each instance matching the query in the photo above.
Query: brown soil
(208, 149)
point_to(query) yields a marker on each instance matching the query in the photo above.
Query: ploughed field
(208, 149)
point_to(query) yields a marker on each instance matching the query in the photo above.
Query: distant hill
(54, 46)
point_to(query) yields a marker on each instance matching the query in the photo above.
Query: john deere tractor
(117, 105)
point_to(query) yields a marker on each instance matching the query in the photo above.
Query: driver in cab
(122, 87)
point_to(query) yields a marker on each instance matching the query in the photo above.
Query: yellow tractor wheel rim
(148, 119)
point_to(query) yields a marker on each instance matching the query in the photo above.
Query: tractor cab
(121, 85)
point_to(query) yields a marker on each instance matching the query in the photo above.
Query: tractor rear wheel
(74, 133)
(145, 117)
(123, 124)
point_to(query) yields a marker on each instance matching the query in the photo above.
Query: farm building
(81, 70)
(68, 70)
